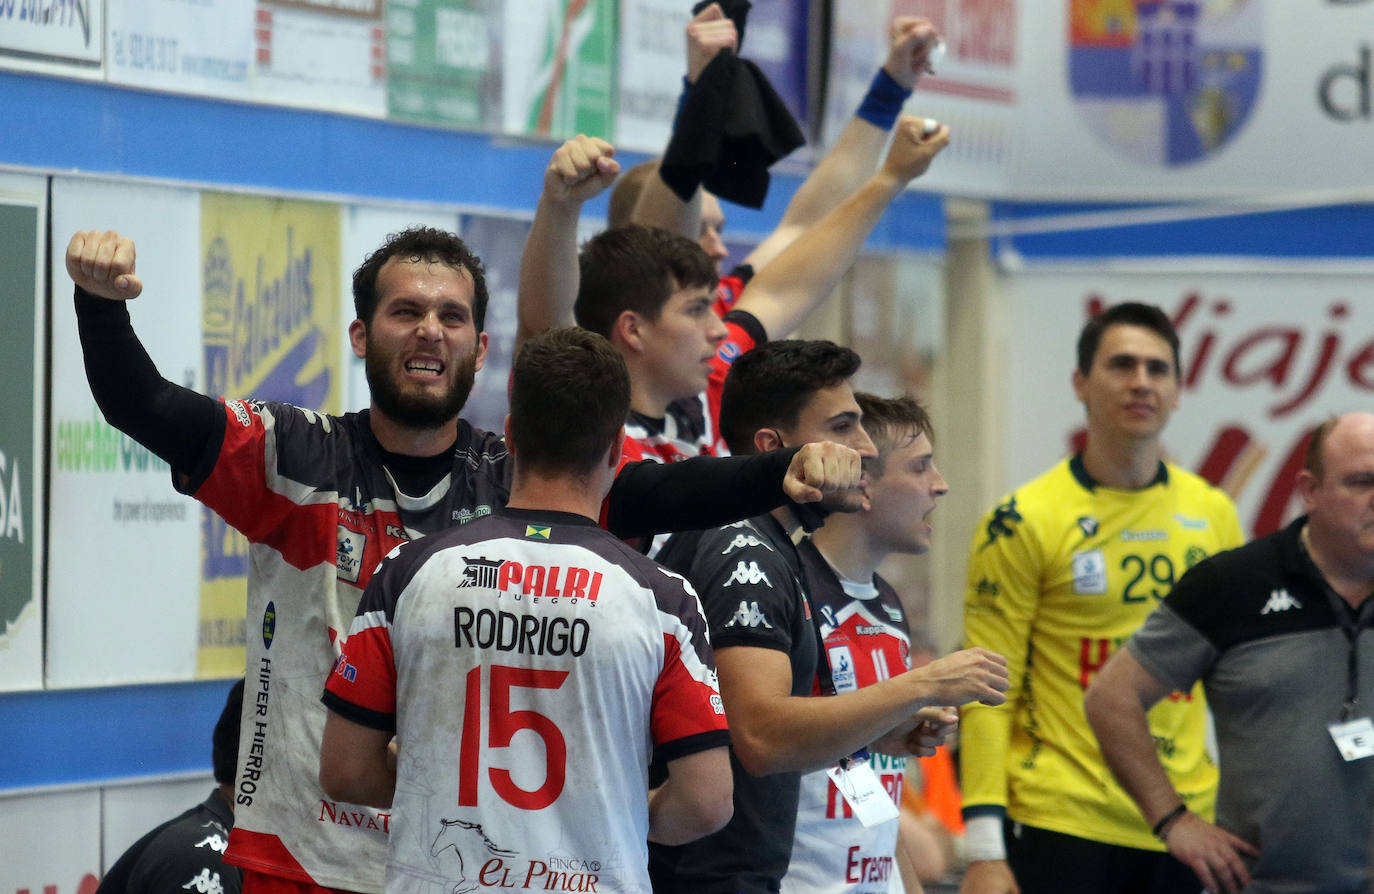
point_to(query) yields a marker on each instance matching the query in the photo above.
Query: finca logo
(1168, 82)
(749, 615)
(1280, 601)
(748, 573)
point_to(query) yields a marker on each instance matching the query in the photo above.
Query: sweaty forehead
(402, 277)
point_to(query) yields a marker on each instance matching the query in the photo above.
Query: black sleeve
(703, 492)
(749, 323)
(172, 421)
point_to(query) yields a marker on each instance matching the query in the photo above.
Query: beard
(422, 411)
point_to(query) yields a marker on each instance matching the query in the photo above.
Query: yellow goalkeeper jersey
(1060, 574)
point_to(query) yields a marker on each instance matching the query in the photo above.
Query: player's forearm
(680, 812)
(984, 739)
(172, 421)
(797, 280)
(659, 206)
(695, 494)
(844, 168)
(1119, 720)
(804, 733)
(549, 274)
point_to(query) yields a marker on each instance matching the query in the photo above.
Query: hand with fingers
(913, 149)
(580, 169)
(911, 41)
(933, 726)
(1215, 855)
(102, 263)
(820, 469)
(707, 34)
(973, 675)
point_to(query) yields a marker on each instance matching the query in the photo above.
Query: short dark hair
(769, 386)
(420, 244)
(1129, 313)
(224, 751)
(891, 422)
(636, 268)
(1313, 460)
(569, 396)
(625, 194)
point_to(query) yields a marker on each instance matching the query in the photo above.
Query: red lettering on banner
(985, 32)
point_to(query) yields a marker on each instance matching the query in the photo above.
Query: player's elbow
(757, 754)
(1101, 703)
(708, 811)
(345, 780)
(696, 810)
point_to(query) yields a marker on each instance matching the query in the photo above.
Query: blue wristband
(883, 102)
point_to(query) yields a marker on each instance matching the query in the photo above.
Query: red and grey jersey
(319, 508)
(730, 287)
(866, 641)
(691, 426)
(530, 664)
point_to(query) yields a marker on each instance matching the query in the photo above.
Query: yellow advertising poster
(270, 328)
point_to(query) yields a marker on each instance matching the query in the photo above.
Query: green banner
(19, 305)
(442, 62)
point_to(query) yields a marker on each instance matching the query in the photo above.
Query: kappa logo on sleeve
(749, 615)
(743, 540)
(748, 573)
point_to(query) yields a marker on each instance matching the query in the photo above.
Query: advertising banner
(187, 46)
(777, 40)
(23, 219)
(321, 55)
(270, 317)
(1186, 99)
(443, 62)
(974, 90)
(52, 842)
(62, 37)
(500, 242)
(558, 67)
(122, 561)
(1265, 357)
(652, 59)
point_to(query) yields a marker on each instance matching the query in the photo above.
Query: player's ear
(766, 439)
(510, 442)
(617, 448)
(357, 338)
(628, 330)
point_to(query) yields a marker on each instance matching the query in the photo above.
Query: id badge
(864, 793)
(1354, 739)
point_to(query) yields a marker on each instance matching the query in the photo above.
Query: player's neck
(848, 550)
(559, 494)
(1353, 581)
(407, 440)
(1126, 465)
(645, 398)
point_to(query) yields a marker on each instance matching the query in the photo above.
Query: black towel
(732, 127)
